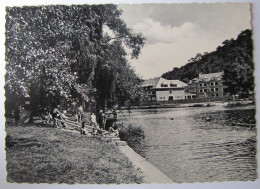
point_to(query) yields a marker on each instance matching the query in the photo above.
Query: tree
(42, 46)
(62, 51)
(232, 53)
(238, 78)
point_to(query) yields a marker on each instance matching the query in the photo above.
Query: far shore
(191, 104)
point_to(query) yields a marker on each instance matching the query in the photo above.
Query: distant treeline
(233, 51)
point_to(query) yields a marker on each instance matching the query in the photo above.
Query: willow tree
(112, 68)
(52, 51)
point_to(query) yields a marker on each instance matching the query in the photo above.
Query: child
(82, 131)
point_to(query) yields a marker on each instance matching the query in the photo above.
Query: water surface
(201, 144)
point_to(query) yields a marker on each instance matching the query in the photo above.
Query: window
(201, 84)
(173, 85)
(217, 94)
(216, 89)
(170, 91)
(164, 85)
(212, 89)
(205, 84)
(201, 90)
(216, 83)
(212, 83)
(153, 92)
(205, 90)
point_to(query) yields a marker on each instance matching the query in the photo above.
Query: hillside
(231, 51)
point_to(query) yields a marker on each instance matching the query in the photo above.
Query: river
(198, 144)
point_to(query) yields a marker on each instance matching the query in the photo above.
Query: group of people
(98, 123)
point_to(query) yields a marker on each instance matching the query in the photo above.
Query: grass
(47, 155)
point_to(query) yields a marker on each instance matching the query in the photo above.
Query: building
(160, 89)
(207, 86)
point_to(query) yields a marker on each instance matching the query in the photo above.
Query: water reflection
(188, 148)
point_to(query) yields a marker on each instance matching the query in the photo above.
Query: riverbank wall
(150, 172)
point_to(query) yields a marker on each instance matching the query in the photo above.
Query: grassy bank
(47, 155)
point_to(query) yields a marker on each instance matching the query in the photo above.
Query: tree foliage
(54, 51)
(234, 57)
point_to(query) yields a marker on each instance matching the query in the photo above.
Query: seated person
(114, 130)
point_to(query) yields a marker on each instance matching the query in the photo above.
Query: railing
(73, 125)
(247, 124)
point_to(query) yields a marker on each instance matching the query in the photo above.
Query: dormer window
(164, 85)
(173, 85)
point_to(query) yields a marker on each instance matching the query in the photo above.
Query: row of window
(149, 87)
(162, 98)
(206, 90)
(211, 84)
(166, 85)
(151, 93)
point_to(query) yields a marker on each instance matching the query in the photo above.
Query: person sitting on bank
(58, 115)
(48, 118)
(114, 130)
(55, 115)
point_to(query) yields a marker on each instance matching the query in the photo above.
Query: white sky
(177, 32)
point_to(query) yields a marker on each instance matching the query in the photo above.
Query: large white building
(160, 89)
(207, 86)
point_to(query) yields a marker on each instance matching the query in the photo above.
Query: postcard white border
(224, 185)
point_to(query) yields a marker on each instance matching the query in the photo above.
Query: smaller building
(160, 89)
(207, 86)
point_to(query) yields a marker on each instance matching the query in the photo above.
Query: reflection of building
(207, 85)
(160, 89)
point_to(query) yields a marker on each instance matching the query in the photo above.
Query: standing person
(17, 115)
(114, 113)
(80, 112)
(82, 131)
(93, 122)
(129, 109)
(102, 119)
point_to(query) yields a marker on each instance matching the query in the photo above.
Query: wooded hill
(231, 53)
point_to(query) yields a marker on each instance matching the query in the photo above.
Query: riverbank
(190, 104)
(48, 155)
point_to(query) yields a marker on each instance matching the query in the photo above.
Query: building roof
(158, 81)
(150, 82)
(211, 75)
(169, 82)
(207, 77)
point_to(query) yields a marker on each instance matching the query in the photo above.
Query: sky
(177, 32)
